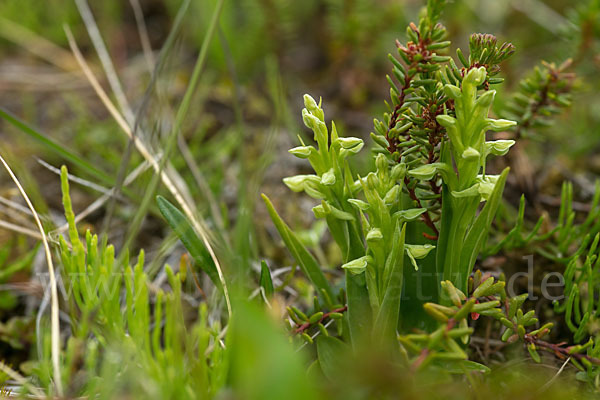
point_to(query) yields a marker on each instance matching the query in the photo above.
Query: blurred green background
(331, 48)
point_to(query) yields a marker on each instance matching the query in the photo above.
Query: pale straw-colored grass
(54, 311)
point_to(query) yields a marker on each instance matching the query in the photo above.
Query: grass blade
(185, 231)
(265, 280)
(54, 310)
(307, 262)
(54, 147)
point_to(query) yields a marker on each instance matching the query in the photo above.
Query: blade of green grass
(265, 280)
(307, 262)
(184, 230)
(55, 147)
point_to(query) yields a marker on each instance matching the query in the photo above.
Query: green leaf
(339, 230)
(13, 267)
(331, 353)
(444, 239)
(307, 262)
(359, 309)
(265, 279)
(582, 376)
(478, 232)
(533, 353)
(386, 322)
(185, 232)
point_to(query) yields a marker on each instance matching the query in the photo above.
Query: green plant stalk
(461, 232)
(370, 234)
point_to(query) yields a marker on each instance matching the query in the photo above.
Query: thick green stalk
(464, 190)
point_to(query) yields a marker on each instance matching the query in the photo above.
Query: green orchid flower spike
(463, 230)
(368, 230)
(422, 215)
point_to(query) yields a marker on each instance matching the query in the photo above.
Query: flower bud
(295, 183)
(486, 99)
(310, 103)
(398, 172)
(452, 91)
(499, 147)
(308, 118)
(313, 189)
(445, 120)
(372, 181)
(320, 211)
(328, 178)
(469, 192)
(358, 266)
(487, 185)
(500, 124)
(350, 142)
(471, 154)
(475, 76)
(314, 108)
(361, 205)
(417, 251)
(392, 195)
(374, 235)
(410, 214)
(302, 151)
(424, 172)
(381, 162)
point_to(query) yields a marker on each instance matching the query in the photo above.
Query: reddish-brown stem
(301, 328)
(425, 216)
(558, 349)
(417, 363)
